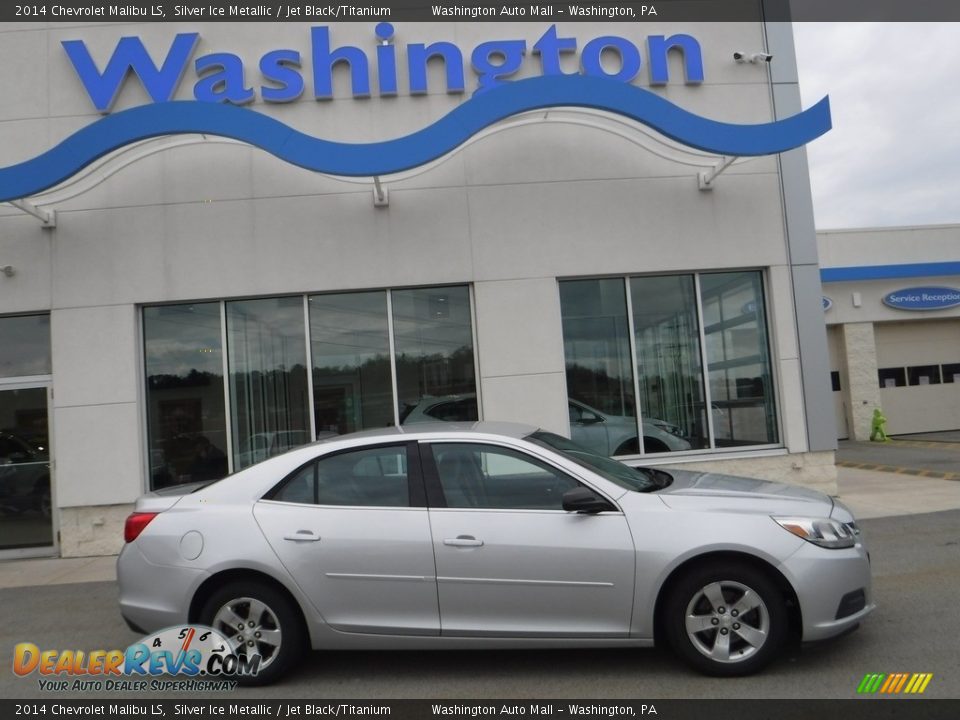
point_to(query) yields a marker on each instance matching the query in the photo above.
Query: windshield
(637, 479)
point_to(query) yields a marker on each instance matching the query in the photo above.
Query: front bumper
(828, 583)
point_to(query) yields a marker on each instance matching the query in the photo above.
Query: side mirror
(584, 500)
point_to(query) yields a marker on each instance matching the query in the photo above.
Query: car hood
(715, 492)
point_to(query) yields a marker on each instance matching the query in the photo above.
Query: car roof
(259, 477)
(485, 427)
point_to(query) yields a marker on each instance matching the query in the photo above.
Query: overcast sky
(893, 155)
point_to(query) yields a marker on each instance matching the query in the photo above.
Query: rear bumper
(153, 597)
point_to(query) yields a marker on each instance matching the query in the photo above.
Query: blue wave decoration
(391, 156)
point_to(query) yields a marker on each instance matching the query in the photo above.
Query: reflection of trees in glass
(436, 374)
(349, 397)
(596, 344)
(185, 404)
(194, 378)
(272, 401)
(600, 390)
(350, 344)
(267, 353)
(433, 344)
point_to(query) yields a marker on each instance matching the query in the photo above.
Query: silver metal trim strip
(538, 583)
(309, 346)
(393, 359)
(371, 576)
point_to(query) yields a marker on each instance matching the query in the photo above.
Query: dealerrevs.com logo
(198, 657)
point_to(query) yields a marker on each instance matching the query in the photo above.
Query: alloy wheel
(251, 627)
(727, 621)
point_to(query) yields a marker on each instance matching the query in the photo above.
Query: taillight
(135, 524)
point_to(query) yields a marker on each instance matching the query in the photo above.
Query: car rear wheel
(257, 619)
(726, 619)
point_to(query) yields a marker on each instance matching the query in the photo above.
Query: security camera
(742, 57)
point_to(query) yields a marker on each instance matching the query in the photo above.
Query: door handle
(303, 536)
(463, 541)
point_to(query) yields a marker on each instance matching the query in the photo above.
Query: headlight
(668, 428)
(820, 531)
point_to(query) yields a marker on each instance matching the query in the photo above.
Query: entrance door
(26, 517)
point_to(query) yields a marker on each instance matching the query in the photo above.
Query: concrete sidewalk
(870, 494)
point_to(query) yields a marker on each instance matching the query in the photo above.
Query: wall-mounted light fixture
(8, 270)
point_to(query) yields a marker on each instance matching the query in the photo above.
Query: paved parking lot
(916, 576)
(72, 603)
(934, 455)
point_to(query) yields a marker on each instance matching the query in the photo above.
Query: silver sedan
(491, 535)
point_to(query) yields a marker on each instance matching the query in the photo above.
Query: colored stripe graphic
(894, 683)
(434, 141)
(871, 683)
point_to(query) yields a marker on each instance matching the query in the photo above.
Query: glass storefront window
(738, 359)
(433, 338)
(25, 345)
(596, 344)
(185, 405)
(669, 366)
(269, 401)
(267, 357)
(350, 347)
(667, 357)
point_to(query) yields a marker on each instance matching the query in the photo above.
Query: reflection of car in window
(454, 408)
(617, 434)
(270, 444)
(607, 434)
(24, 474)
(267, 444)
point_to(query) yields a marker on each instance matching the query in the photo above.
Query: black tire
(628, 447)
(277, 614)
(752, 612)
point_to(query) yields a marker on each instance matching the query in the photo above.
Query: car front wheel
(726, 619)
(257, 619)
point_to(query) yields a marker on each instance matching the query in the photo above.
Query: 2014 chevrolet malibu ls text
(491, 535)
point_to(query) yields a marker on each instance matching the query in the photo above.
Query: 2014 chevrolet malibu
(491, 535)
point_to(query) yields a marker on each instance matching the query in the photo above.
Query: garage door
(919, 375)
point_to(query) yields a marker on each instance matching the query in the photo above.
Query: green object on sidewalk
(877, 430)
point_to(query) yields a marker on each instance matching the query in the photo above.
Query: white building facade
(196, 303)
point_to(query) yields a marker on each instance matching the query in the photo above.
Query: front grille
(852, 602)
